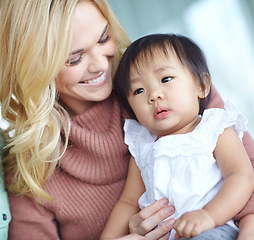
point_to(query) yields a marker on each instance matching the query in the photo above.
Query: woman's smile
(96, 82)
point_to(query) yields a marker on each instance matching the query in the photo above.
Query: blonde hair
(35, 40)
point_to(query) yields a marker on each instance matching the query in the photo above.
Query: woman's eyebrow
(77, 51)
(104, 30)
(82, 49)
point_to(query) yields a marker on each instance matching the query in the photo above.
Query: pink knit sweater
(86, 185)
(88, 180)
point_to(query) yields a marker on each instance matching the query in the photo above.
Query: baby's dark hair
(189, 54)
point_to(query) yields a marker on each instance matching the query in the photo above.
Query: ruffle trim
(201, 140)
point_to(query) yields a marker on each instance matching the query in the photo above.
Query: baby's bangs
(150, 54)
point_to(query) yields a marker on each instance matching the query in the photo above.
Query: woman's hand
(133, 236)
(146, 221)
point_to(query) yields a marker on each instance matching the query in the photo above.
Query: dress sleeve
(216, 101)
(131, 133)
(31, 220)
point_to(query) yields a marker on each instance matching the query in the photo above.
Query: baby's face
(164, 95)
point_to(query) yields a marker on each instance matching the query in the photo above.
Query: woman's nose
(98, 62)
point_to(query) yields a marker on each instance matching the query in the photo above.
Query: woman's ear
(205, 87)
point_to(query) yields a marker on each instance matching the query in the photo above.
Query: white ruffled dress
(181, 167)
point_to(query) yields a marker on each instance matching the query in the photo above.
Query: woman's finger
(137, 219)
(161, 231)
(131, 237)
(149, 217)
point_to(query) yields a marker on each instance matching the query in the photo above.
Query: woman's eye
(166, 79)
(105, 36)
(104, 39)
(74, 60)
(138, 91)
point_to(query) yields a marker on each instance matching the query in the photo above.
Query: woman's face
(86, 77)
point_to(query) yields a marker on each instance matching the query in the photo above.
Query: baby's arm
(237, 188)
(127, 205)
(246, 230)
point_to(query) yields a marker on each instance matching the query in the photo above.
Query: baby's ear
(205, 86)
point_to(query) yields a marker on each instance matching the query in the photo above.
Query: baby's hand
(193, 223)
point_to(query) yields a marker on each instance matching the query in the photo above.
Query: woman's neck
(74, 109)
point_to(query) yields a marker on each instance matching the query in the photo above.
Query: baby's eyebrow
(134, 80)
(163, 68)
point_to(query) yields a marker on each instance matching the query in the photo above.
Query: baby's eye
(138, 91)
(166, 79)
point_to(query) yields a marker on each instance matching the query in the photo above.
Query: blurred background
(224, 29)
